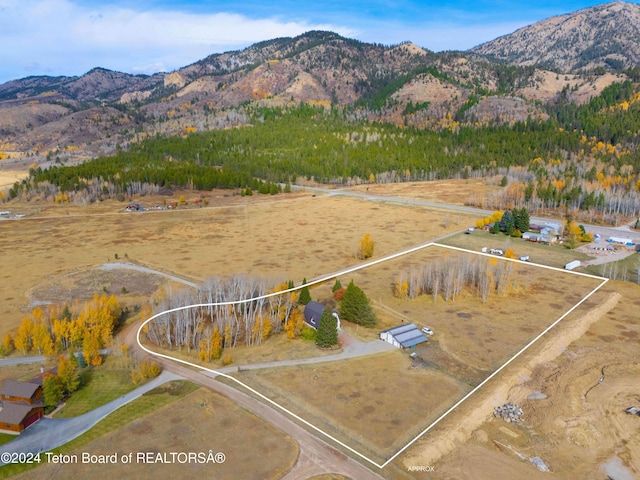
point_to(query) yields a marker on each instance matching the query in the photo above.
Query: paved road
(6, 362)
(50, 433)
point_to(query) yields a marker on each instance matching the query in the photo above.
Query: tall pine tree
(356, 308)
(327, 333)
(305, 296)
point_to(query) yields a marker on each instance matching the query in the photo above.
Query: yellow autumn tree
(402, 288)
(216, 343)
(7, 343)
(365, 248)
(22, 337)
(573, 233)
(290, 327)
(266, 329)
(42, 341)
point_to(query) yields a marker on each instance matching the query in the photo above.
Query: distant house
(545, 236)
(22, 405)
(403, 336)
(313, 313)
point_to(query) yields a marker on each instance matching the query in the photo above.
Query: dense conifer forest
(582, 157)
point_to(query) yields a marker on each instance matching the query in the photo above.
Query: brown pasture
(9, 177)
(576, 428)
(481, 335)
(374, 404)
(452, 191)
(296, 236)
(277, 237)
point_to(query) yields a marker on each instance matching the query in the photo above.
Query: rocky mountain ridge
(501, 81)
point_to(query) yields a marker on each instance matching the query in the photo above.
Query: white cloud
(64, 38)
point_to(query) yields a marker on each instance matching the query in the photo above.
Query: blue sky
(69, 37)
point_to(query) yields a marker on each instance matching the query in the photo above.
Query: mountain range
(566, 58)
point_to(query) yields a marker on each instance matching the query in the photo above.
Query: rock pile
(509, 412)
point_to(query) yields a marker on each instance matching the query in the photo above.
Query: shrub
(226, 360)
(308, 333)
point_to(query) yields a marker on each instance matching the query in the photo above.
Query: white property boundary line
(345, 272)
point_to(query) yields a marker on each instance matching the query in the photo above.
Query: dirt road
(316, 456)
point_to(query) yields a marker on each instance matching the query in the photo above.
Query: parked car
(427, 330)
(525, 258)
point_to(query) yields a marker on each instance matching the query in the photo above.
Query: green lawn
(144, 405)
(626, 269)
(552, 255)
(6, 437)
(99, 386)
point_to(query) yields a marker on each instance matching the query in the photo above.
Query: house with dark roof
(403, 336)
(313, 313)
(22, 404)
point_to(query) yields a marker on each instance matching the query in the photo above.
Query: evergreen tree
(521, 220)
(356, 308)
(506, 224)
(327, 333)
(336, 286)
(305, 296)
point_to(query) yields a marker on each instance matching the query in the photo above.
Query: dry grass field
(577, 427)
(52, 254)
(199, 422)
(452, 192)
(358, 401)
(472, 340)
(483, 335)
(9, 177)
(277, 237)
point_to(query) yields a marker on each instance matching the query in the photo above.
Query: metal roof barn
(403, 336)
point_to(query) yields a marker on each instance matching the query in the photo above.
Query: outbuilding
(403, 336)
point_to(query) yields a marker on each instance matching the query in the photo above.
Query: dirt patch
(84, 284)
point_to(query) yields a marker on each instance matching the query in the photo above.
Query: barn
(403, 336)
(22, 405)
(313, 314)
